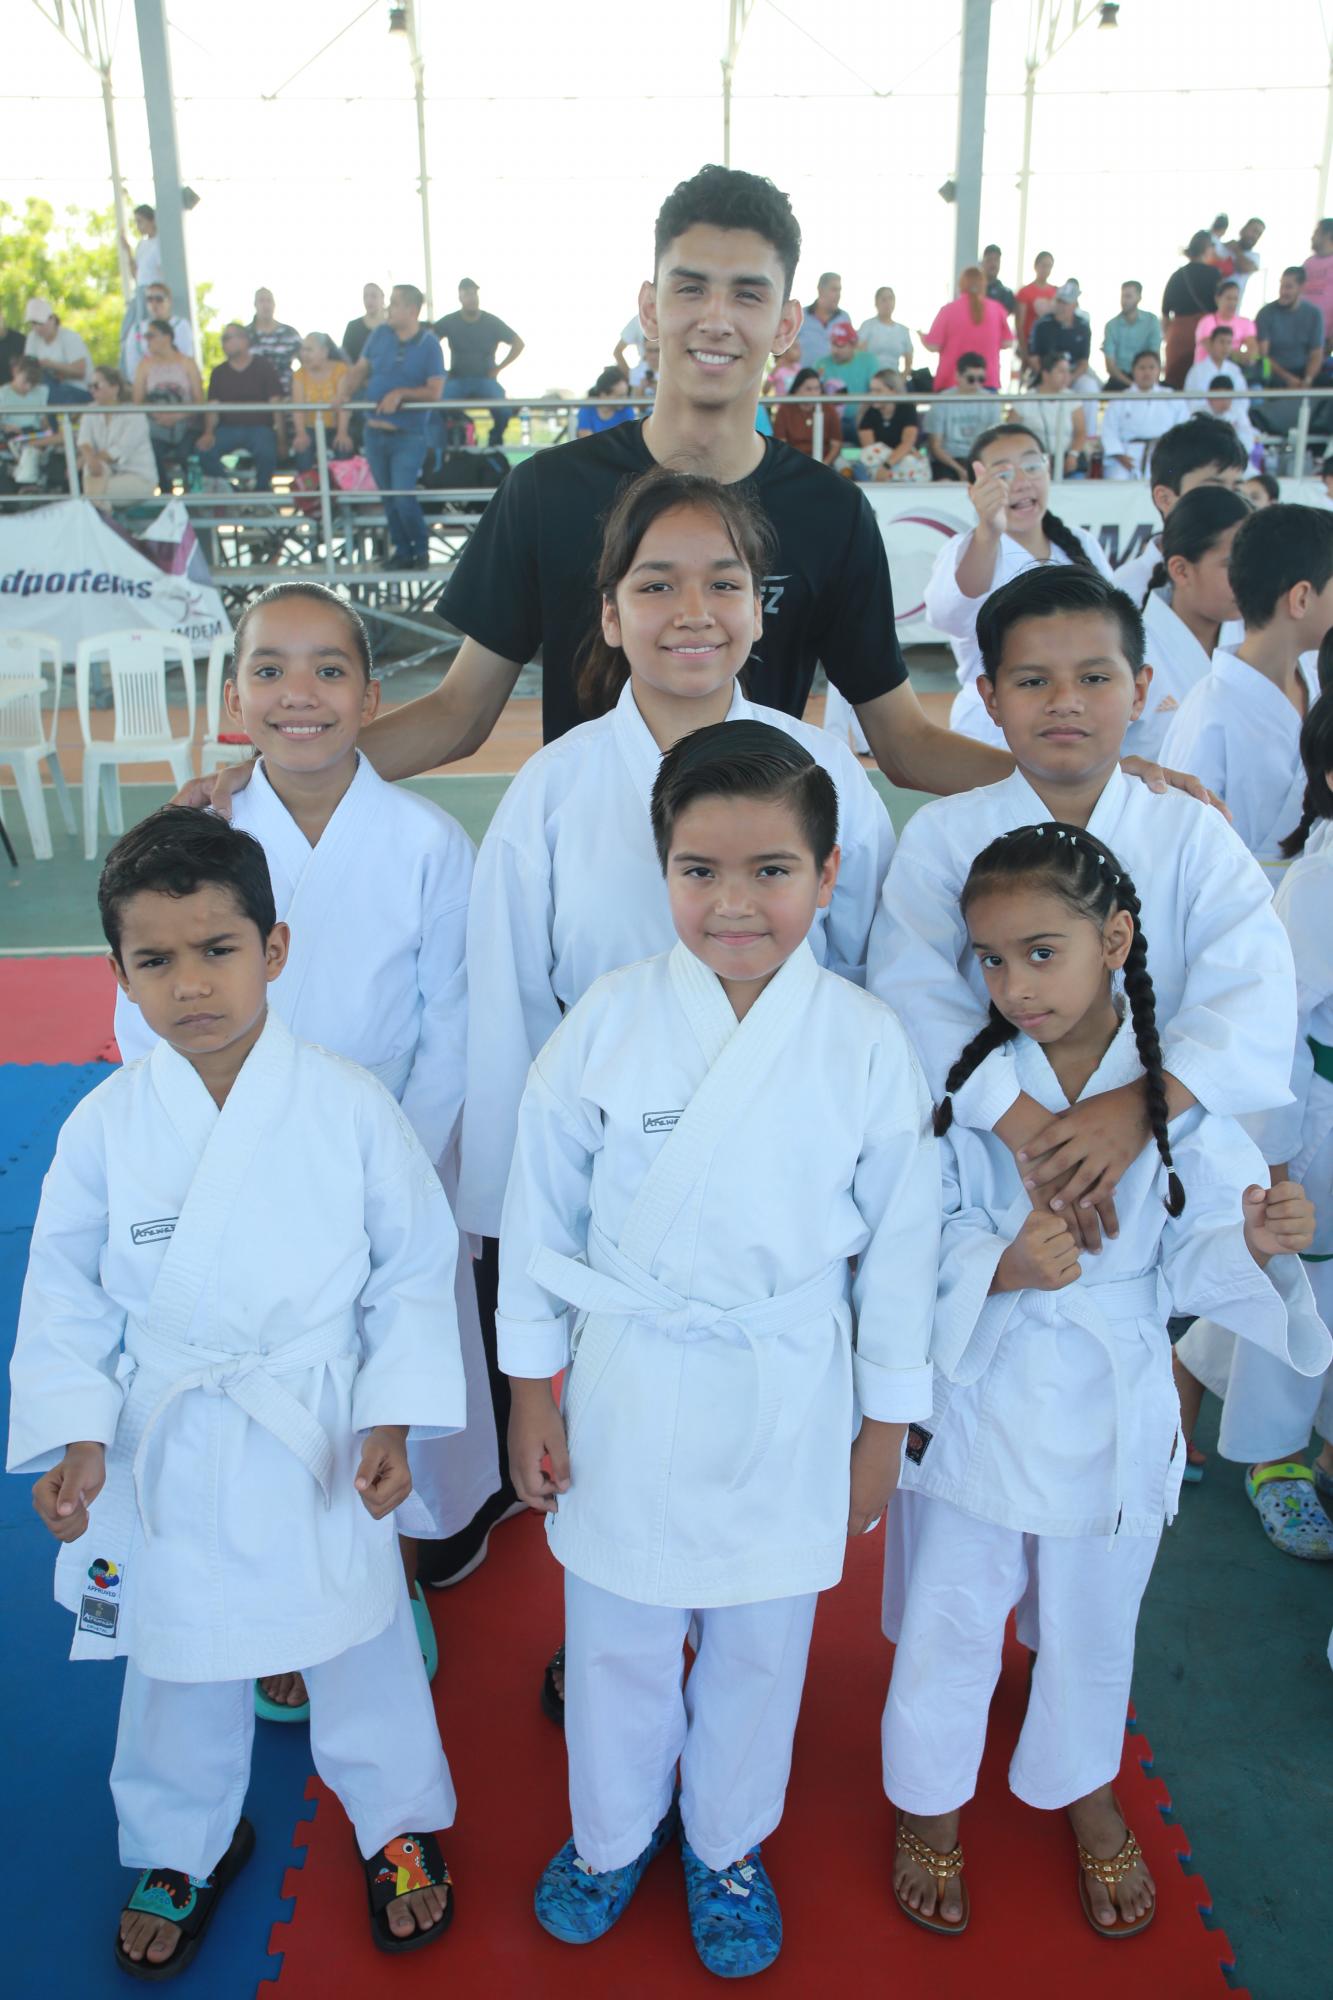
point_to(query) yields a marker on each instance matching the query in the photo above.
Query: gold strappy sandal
(944, 1867)
(1112, 1873)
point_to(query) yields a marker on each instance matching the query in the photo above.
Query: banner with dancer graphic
(66, 570)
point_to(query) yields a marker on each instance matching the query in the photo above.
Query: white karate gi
(1133, 422)
(1178, 664)
(1269, 1410)
(840, 719)
(1220, 961)
(1054, 1453)
(952, 612)
(1200, 379)
(568, 886)
(1134, 575)
(377, 973)
(226, 1299)
(694, 1188)
(1240, 734)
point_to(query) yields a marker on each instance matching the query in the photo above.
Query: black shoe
(442, 1564)
(553, 1702)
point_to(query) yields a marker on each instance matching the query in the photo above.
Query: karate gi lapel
(738, 1054)
(638, 746)
(318, 874)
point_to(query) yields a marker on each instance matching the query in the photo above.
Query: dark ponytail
(601, 670)
(1086, 876)
(1317, 757)
(1196, 524)
(1063, 538)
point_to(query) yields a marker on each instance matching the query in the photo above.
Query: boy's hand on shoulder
(876, 1456)
(538, 1452)
(63, 1495)
(384, 1478)
(1043, 1257)
(1279, 1221)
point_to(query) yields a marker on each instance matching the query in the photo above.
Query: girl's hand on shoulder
(1043, 1257)
(384, 1478)
(876, 1456)
(538, 1452)
(63, 1495)
(1279, 1220)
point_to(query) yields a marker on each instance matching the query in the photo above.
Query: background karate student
(1240, 725)
(1203, 451)
(1054, 1453)
(1189, 610)
(239, 1298)
(701, 1466)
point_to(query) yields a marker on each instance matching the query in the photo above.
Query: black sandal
(553, 1702)
(185, 1901)
(412, 1861)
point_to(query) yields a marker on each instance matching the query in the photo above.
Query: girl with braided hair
(1189, 610)
(1269, 1411)
(1053, 1456)
(1010, 491)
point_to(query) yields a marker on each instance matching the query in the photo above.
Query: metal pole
(1302, 440)
(117, 188)
(423, 176)
(1025, 171)
(155, 58)
(71, 456)
(1327, 154)
(325, 511)
(971, 132)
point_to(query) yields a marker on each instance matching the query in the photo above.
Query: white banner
(916, 520)
(65, 570)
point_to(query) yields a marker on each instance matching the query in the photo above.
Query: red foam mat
(830, 1858)
(57, 1010)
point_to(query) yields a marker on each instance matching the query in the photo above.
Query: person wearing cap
(845, 371)
(61, 353)
(1066, 331)
(969, 324)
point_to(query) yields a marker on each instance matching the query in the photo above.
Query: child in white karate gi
(1010, 491)
(239, 1298)
(374, 881)
(567, 884)
(1189, 610)
(705, 1141)
(1269, 1411)
(1054, 1453)
(1203, 451)
(1239, 727)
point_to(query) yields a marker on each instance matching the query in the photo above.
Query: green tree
(73, 263)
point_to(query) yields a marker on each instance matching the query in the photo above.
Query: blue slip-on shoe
(734, 1916)
(577, 1904)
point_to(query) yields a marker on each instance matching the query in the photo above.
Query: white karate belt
(614, 1285)
(251, 1381)
(1093, 1307)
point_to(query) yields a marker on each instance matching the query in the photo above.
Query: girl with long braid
(1053, 1456)
(1188, 611)
(1011, 492)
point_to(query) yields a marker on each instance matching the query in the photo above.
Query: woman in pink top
(970, 323)
(1227, 313)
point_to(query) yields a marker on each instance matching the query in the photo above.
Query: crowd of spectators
(1098, 407)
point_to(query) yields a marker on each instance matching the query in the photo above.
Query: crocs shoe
(734, 1916)
(1293, 1519)
(577, 1904)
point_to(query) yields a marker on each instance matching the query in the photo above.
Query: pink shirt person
(959, 328)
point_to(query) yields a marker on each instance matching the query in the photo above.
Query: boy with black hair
(1202, 451)
(239, 1298)
(1063, 674)
(1239, 727)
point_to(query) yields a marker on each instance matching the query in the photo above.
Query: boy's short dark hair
(745, 760)
(1277, 548)
(726, 198)
(1267, 481)
(1056, 593)
(1146, 354)
(176, 851)
(969, 360)
(1199, 441)
(1296, 271)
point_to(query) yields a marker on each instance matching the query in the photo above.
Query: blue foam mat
(60, 1718)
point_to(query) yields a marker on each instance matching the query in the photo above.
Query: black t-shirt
(527, 576)
(889, 430)
(1049, 337)
(11, 346)
(1001, 294)
(355, 336)
(1191, 289)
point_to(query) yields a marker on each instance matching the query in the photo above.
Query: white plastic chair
(137, 665)
(213, 753)
(30, 664)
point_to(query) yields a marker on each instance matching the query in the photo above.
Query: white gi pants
(628, 1722)
(182, 1762)
(965, 1577)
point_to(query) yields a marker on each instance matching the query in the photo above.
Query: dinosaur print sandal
(412, 1861)
(188, 1901)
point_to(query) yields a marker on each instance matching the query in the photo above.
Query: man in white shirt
(65, 362)
(1217, 361)
(158, 300)
(1136, 418)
